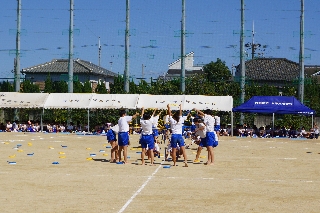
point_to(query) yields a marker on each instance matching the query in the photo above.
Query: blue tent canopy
(274, 104)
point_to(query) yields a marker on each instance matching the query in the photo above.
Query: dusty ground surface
(249, 175)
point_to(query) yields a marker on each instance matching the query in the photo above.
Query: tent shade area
(274, 104)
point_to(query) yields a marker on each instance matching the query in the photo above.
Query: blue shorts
(123, 138)
(147, 141)
(111, 137)
(176, 139)
(216, 128)
(155, 132)
(167, 126)
(211, 139)
(203, 142)
(193, 128)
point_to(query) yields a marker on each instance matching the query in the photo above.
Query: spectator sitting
(292, 132)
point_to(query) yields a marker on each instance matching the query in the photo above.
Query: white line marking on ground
(139, 190)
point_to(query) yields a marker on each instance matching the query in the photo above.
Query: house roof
(179, 60)
(271, 69)
(61, 66)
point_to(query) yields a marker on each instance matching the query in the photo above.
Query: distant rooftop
(61, 66)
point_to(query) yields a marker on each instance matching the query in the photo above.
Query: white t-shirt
(166, 119)
(9, 126)
(209, 122)
(123, 123)
(155, 120)
(146, 126)
(176, 127)
(217, 120)
(201, 133)
(156, 147)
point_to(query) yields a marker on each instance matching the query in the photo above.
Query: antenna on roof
(99, 53)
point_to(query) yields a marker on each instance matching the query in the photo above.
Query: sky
(212, 31)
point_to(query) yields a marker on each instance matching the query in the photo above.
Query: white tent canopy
(160, 101)
(68, 101)
(113, 101)
(22, 100)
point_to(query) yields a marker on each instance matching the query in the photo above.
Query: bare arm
(154, 112)
(169, 111)
(180, 110)
(142, 112)
(199, 112)
(135, 115)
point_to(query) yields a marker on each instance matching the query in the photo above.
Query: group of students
(204, 130)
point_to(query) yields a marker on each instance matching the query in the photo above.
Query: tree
(101, 89)
(5, 86)
(217, 71)
(118, 85)
(87, 87)
(28, 87)
(77, 87)
(48, 87)
(60, 87)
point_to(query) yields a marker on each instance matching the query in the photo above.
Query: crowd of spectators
(31, 126)
(283, 132)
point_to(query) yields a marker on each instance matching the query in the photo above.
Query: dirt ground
(249, 175)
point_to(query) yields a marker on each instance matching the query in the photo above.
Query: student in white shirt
(176, 123)
(211, 136)
(217, 125)
(123, 135)
(147, 139)
(201, 132)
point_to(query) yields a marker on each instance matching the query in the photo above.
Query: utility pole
(126, 50)
(99, 53)
(17, 61)
(254, 46)
(142, 71)
(70, 64)
(301, 54)
(242, 60)
(183, 34)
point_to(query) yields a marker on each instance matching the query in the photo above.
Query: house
(174, 70)
(273, 71)
(57, 70)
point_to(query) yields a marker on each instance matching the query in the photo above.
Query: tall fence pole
(70, 64)
(183, 39)
(301, 54)
(242, 60)
(126, 51)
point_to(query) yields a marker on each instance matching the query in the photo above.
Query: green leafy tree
(217, 71)
(60, 87)
(143, 87)
(101, 89)
(118, 85)
(87, 87)
(6, 86)
(48, 88)
(28, 87)
(77, 87)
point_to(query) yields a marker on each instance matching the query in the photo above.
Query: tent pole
(272, 124)
(41, 123)
(312, 121)
(231, 124)
(88, 120)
